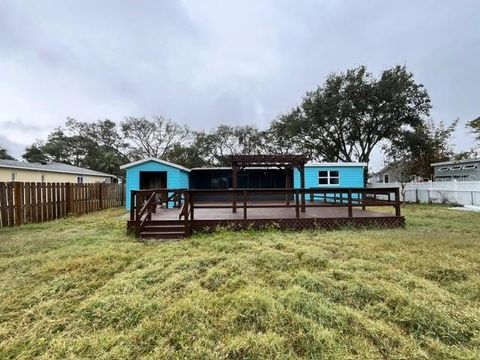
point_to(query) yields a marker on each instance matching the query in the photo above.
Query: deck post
(350, 208)
(132, 205)
(288, 185)
(190, 201)
(363, 201)
(397, 202)
(302, 184)
(297, 207)
(235, 185)
(244, 204)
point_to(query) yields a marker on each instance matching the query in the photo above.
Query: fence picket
(24, 203)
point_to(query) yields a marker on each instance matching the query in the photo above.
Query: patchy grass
(81, 288)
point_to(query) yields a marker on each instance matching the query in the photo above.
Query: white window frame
(444, 168)
(469, 166)
(80, 179)
(329, 178)
(456, 168)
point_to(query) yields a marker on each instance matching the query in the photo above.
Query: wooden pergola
(280, 161)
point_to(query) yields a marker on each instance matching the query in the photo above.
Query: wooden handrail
(319, 197)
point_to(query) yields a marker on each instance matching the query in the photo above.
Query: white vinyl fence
(440, 192)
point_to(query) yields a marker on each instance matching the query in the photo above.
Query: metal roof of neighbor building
(50, 167)
(455, 162)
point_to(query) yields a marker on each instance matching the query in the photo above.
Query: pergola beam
(286, 161)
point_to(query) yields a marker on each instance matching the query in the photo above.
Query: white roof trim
(465, 161)
(164, 162)
(346, 164)
(98, 174)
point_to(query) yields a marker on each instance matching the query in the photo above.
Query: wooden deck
(301, 209)
(215, 213)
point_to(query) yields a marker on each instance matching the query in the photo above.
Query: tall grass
(81, 288)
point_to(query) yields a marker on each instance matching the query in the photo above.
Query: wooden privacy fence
(25, 203)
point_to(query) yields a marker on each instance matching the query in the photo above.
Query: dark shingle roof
(50, 167)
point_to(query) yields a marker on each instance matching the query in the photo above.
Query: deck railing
(145, 202)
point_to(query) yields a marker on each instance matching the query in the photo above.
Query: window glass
(13, 176)
(328, 177)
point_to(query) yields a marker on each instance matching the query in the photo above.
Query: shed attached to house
(152, 173)
(341, 175)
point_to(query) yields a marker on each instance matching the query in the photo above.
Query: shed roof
(51, 167)
(164, 162)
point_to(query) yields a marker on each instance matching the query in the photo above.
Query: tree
(98, 146)
(416, 149)
(34, 153)
(346, 118)
(154, 138)
(217, 146)
(4, 154)
(474, 126)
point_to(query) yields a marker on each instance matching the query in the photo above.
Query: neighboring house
(389, 174)
(12, 170)
(152, 173)
(462, 170)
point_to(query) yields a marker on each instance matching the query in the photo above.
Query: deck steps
(171, 229)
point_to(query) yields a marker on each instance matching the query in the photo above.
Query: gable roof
(164, 162)
(51, 167)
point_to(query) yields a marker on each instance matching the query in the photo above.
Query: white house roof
(51, 167)
(164, 162)
(354, 164)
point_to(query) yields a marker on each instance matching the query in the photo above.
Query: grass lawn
(81, 288)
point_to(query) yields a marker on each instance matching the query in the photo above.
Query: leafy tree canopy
(347, 117)
(4, 154)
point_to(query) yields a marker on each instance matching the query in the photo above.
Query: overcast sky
(209, 62)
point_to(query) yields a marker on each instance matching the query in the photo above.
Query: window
(328, 177)
(471, 166)
(79, 179)
(13, 176)
(445, 168)
(42, 178)
(386, 178)
(456, 167)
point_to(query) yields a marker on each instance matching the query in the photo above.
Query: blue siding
(176, 178)
(350, 176)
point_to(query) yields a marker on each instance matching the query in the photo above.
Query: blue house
(153, 173)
